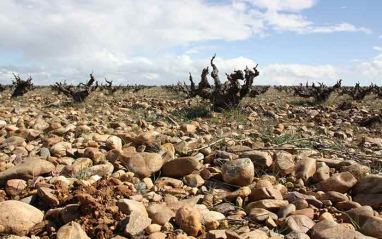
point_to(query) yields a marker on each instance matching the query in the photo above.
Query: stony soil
(155, 165)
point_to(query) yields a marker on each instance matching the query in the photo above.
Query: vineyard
(198, 159)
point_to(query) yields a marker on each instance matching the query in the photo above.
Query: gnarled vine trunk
(222, 95)
(21, 86)
(78, 93)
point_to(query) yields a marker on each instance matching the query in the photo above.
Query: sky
(158, 42)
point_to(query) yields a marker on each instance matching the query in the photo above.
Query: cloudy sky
(160, 41)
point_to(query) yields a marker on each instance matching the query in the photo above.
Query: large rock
(114, 142)
(371, 184)
(167, 151)
(242, 192)
(157, 235)
(372, 200)
(216, 234)
(94, 154)
(128, 206)
(60, 148)
(138, 219)
(372, 227)
(299, 223)
(188, 128)
(30, 169)
(180, 167)
(72, 230)
(347, 205)
(70, 213)
(193, 180)
(48, 196)
(211, 216)
(18, 217)
(147, 138)
(186, 146)
(137, 223)
(15, 186)
(259, 158)
(358, 170)
(142, 164)
(189, 219)
(255, 234)
(328, 229)
(14, 141)
(268, 204)
(284, 163)
(335, 197)
(101, 170)
(265, 193)
(358, 215)
(79, 165)
(305, 168)
(309, 212)
(294, 196)
(340, 182)
(190, 202)
(260, 215)
(322, 173)
(285, 211)
(163, 182)
(238, 172)
(160, 213)
(295, 235)
(372, 142)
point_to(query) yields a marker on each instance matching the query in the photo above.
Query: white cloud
(371, 69)
(293, 74)
(171, 69)
(199, 49)
(68, 39)
(283, 5)
(343, 27)
(287, 22)
(284, 15)
(48, 29)
(56, 28)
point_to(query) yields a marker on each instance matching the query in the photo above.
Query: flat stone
(265, 193)
(260, 214)
(372, 200)
(18, 217)
(340, 182)
(268, 204)
(327, 229)
(30, 169)
(259, 158)
(299, 223)
(48, 196)
(371, 184)
(72, 230)
(305, 168)
(180, 167)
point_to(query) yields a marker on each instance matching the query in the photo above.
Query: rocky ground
(155, 165)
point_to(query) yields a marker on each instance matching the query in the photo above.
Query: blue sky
(160, 41)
